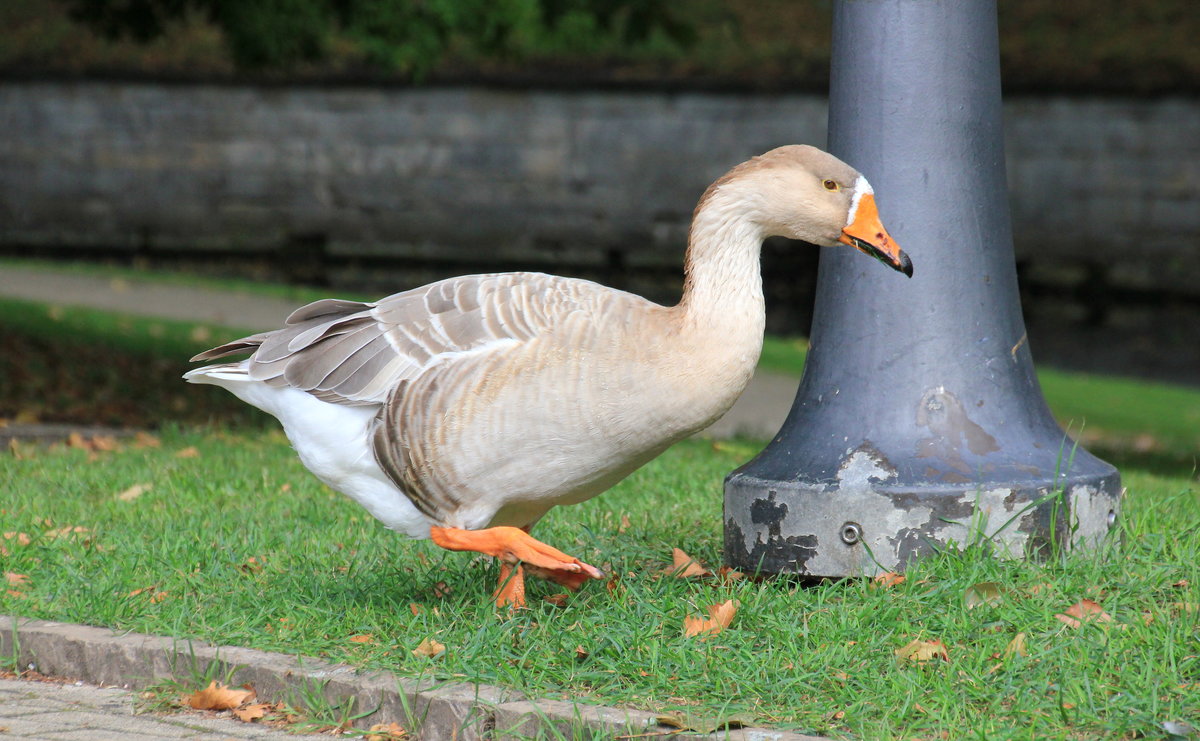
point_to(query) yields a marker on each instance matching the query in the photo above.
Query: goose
(462, 411)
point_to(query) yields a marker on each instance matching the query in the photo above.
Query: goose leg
(515, 546)
(511, 590)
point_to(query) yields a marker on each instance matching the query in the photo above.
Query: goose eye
(831, 185)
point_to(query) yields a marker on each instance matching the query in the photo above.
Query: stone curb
(428, 709)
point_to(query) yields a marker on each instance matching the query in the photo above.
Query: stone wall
(1105, 192)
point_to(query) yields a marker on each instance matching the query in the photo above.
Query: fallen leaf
(200, 333)
(625, 524)
(190, 451)
(922, 651)
(1016, 647)
(1084, 611)
(251, 713)
(719, 618)
(66, 531)
(21, 538)
(15, 593)
(728, 575)
(429, 648)
(133, 492)
(889, 579)
(414, 608)
(363, 638)
(441, 590)
(136, 592)
(558, 600)
(1181, 584)
(217, 696)
(15, 579)
(581, 653)
(386, 732)
(252, 565)
(704, 723)
(146, 440)
(685, 566)
(983, 593)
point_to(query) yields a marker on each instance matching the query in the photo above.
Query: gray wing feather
(349, 352)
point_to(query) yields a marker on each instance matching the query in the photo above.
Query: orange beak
(866, 234)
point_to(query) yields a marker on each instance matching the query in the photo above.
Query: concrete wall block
(571, 721)
(101, 161)
(465, 712)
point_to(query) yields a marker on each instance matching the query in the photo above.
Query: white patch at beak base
(861, 188)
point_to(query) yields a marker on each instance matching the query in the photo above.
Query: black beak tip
(905, 265)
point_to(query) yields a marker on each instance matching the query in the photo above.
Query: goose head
(801, 192)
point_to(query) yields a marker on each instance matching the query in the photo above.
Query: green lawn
(239, 545)
(226, 538)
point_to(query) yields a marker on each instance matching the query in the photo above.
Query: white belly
(333, 441)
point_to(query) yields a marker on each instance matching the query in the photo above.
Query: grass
(231, 541)
(239, 545)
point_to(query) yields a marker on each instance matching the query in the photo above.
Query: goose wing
(355, 353)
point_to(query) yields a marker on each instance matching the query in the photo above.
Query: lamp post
(919, 420)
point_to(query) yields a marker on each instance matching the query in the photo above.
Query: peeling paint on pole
(919, 422)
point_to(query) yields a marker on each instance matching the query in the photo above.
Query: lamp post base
(867, 523)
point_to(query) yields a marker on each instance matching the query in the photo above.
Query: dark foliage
(408, 36)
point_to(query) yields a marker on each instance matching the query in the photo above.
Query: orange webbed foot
(515, 546)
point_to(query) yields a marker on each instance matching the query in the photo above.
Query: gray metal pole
(919, 420)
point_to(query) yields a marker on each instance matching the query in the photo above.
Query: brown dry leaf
(1181, 584)
(146, 440)
(889, 579)
(728, 575)
(217, 696)
(441, 590)
(200, 333)
(15, 593)
(689, 721)
(136, 592)
(190, 451)
(15, 579)
(984, 593)
(625, 524)
(719, 618)
(386, 732)
(414, 608)
(429, 648)
(252, 565)
(558, 600)
(581, 653)
(63, 532)
(922, 651)
(104, 443)
(251, 713)
(363, 638)
(20, 538)
(158, 597)
(133, 492)
(1016, 647)
(685, 566)
(1084, 611)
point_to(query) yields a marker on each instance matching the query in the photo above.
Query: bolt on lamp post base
(867, 525)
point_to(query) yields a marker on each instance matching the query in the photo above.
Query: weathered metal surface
(919, 420)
